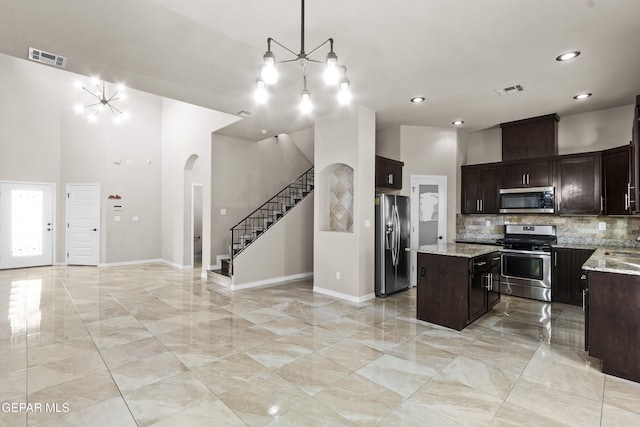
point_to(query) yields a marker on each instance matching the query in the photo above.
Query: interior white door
(428, 214)
(83, 224)
(26, 224)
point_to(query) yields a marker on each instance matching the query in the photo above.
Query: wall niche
(336, 202)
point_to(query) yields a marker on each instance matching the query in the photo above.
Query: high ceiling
(456, 53)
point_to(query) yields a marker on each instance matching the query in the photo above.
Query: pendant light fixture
(334, 73)
(104, 102)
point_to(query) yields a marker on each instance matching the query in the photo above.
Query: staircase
(257, 222)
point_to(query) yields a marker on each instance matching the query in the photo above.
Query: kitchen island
(457, 283)
(612, 310)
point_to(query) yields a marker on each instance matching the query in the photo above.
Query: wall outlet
(487, 223)
(602, 226)
(367, 223)
(337, 275)
(223, 211)
(116, 218)
(135, 218)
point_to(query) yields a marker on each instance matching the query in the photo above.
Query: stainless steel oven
(526, 261)
(526, 274)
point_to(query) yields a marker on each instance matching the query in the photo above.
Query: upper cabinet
(616, 181)
(533, 173)
(579, 184)
(529, 138)
(480, 186)
(635, 160)
(388, 173)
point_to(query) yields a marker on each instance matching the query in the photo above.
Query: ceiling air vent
(47, 58)
(509, 90)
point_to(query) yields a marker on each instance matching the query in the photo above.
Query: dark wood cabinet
(537, 173)
(528, 138)
(454, 291)
(388, 173)
(613, 321)
(635, 159)
(616, 181)
(567, 281)
(480, 185)
(578, 179)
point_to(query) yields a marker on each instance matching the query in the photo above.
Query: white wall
(594, 131)
(186, 132)
(304, 140)
(432, 151)
(347, 137)
(285, 250)
(42, 139)
(244, 175)
(388, 143)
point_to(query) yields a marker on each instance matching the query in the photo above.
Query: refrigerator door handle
(396, 235)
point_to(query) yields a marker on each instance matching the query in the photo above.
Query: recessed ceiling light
(567, 56)
(457, 122)
(418, 99)
(582, 95)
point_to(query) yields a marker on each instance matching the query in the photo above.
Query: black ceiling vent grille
(509, 90)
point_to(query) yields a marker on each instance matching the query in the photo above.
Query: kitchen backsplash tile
(620, 231)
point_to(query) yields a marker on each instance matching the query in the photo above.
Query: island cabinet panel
(566, 274)
(442, 294)
(613, 331)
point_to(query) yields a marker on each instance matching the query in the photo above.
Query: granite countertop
(614, 260)
(464, 250)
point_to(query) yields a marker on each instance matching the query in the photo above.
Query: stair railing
(257, 222)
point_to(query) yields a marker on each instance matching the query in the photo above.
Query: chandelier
(104, 102)
(334, 73)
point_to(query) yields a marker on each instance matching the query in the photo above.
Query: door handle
(481, 205)
(95, 229)
(480, 264)
(440, 237)
(601, 204)
(527, 179)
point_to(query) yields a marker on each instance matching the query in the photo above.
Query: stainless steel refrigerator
(392, 237)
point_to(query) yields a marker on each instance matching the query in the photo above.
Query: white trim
(193, 214)
(219, 279)
(123, 263)
(272, 281)
(342, 296)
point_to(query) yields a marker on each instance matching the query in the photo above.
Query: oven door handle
(519, 252)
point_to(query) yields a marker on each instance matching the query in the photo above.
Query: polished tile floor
(149, 345)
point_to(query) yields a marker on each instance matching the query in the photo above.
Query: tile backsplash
(619, 231)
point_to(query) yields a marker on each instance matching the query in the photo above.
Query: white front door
(26, 224)
(83, 224)
(428, 214)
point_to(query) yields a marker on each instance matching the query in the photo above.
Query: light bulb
(305, 102)
(331, 73)
(344, 95)
(260, 94)
(269, 73)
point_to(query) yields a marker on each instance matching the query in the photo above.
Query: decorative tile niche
(336, 207)
(620, 231)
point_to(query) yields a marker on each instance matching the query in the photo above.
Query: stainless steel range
(526, 261)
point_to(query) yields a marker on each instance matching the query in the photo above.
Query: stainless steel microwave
(527, 200)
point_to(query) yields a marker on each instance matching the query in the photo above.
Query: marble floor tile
(171, 348)
(565, 408)
(360, 400)
(313, 373)
(140, 373)
(151, 403)
(265, 398)
(350, 354)
(457, 402)
(398, 375)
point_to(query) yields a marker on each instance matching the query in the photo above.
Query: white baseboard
(220, 279)
(272, 281)
(123, 263)
(343, 296)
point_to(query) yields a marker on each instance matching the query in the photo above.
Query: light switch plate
(135, 218)
(367, 223)
(223, 211)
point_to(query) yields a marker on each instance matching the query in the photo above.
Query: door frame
(99, 222)
(416, 180)
(54, 236)
(193, 215)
